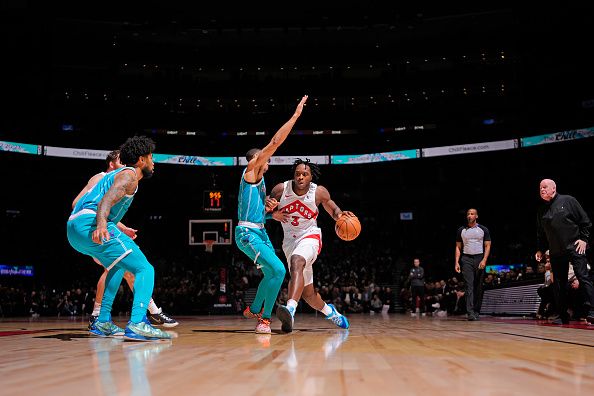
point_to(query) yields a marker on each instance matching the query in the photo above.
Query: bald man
(564, 227)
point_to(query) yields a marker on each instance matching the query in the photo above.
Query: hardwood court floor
(380, 355)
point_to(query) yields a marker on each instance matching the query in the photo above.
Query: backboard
(218, 230)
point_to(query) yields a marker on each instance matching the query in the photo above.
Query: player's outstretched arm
(279, 137)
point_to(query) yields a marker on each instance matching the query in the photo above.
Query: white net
(208, 244)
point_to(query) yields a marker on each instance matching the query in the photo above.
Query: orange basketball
(348, 228)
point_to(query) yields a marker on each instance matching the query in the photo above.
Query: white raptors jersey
(303, 212)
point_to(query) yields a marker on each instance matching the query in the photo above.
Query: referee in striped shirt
(473, 245)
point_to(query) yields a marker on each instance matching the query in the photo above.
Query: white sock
(326, 310)
(292, 303)
(96, 310)
(153, 309)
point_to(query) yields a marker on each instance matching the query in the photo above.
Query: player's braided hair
(314, 168)
(134, 148)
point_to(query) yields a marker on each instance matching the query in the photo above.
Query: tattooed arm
(124, 183)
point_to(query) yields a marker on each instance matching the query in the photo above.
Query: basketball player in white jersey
(156, 315)
(296, 202)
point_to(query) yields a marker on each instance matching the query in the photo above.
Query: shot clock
(213, 201)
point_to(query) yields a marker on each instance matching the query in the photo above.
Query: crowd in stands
(355, 280)
(349, 279)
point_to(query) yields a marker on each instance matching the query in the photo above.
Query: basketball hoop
(208, 244)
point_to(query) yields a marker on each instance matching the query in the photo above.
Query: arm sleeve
(487, 236)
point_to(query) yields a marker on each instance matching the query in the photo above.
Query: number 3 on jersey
(295, 221)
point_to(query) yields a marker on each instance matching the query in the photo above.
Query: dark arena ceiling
(386, 76)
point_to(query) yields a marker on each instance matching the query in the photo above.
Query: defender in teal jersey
(156, 315)
(250, 234)
(92, 230)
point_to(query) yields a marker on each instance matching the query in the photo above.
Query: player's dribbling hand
(100, 235)
(281, 216)
(271, 204)
(347, 213)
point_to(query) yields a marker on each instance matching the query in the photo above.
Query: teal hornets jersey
(92, 198)
(252, 198)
